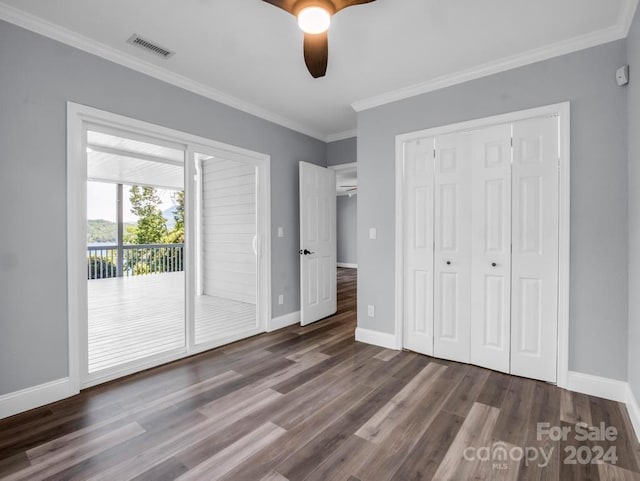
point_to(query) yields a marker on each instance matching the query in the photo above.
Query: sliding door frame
(78, 117)
(563, 111)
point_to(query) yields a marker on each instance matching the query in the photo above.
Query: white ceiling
(248, 54)
(121, 160)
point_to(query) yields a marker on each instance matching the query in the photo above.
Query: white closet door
(491, 247)
(452, 257)
(534, 315)
(418, 248)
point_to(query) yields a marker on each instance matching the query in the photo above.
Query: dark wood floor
(311, 403)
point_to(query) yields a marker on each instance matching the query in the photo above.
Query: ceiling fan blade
(286, 5)
(316, 53)
(341, 4)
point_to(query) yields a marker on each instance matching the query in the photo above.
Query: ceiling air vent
(149, 46)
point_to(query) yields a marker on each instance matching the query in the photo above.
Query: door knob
(306, 252)
(448, 263)
(493, 264)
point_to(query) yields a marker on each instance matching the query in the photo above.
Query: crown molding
(627, 14)
(610, 34)
(346, 134)
(48, 29)
(56, 32)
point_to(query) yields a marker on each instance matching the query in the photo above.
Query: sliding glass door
(135, 252)
(225, 278)
(169, 248)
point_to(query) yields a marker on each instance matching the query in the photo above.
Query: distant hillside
(100, 230)
(104, 231)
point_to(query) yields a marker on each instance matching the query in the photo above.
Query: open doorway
(328, 240)
(347, 215)
(347, 236)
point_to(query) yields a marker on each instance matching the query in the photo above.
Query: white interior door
(491, 247)
(317, 243)
(418, 245)
(452, 256)
(534, 313)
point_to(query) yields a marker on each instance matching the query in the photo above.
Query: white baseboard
(597, 386)
(376, 338)
(611, 389)
(284, 321)
(347, 265)
(36, 396)
(634, 411)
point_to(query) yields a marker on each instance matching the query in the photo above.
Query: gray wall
(599, 300)
(633, 52)
(37, 77)
(347, 216)
(342, 151)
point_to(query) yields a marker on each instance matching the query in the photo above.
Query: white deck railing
(133, 260)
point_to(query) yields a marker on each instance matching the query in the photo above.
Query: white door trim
(563, 110)
(77, 117)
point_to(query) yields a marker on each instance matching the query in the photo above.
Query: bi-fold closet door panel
(481, 247)
(534, 294)
(491, 247)
(418, 245)
(452, 247)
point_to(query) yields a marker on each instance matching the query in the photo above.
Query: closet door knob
(493, 264)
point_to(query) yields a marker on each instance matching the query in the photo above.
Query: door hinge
(511, 150)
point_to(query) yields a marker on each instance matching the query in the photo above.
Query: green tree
(130, 235)
(101, 267)
(145, 204)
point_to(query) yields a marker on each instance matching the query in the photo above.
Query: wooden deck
(134, 317)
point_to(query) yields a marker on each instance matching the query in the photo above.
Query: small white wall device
(622, 75)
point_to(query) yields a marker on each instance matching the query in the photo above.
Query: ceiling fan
(314, 18)
(350, 190)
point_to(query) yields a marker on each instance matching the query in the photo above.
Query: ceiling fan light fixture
(314, 20)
